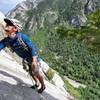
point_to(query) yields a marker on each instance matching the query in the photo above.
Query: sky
(7, 5)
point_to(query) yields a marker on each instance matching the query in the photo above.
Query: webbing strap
(22, 42)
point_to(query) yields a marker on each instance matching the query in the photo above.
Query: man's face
(10, 29)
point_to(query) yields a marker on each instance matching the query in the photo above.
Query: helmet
(13, 22)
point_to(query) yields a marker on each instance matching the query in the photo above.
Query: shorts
(27, 65)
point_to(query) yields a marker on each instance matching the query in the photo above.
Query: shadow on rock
(20, 91)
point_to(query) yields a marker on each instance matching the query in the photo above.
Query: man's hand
(34, 63)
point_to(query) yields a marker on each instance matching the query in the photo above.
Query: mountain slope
(15, 83)
(35, 14)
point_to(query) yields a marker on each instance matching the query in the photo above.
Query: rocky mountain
(35, 14)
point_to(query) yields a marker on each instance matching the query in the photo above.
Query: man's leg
(37, 83)
(35, 75)
(38, 78)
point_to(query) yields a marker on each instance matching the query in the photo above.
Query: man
(23, 47)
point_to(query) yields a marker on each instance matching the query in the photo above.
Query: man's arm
(32, 48)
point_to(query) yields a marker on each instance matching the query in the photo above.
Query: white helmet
(13, 22)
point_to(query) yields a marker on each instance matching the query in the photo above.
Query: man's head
(12, 26)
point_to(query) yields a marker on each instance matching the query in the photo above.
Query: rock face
(35, 14)
(2, 25)
(15, 83)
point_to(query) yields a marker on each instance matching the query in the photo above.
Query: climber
(23, 47)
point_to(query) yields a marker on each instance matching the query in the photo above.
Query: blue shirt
(16, 46)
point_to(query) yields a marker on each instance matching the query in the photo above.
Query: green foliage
(30, 13)
(73, 91)
(89, 32)
(76, 7)
(71, 57)
(94, 19)
(39, 39)
(17, 16)
(90, 93)
(62, 31)
(50, 73)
